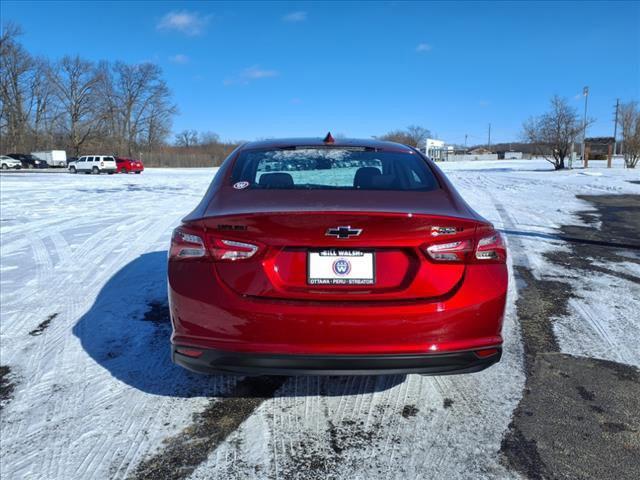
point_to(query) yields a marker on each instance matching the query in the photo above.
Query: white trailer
(55, 158)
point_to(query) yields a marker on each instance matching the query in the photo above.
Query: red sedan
(313, 256)
(129, 165)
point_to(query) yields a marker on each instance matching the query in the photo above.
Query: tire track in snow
(74, 285)
(368, 429)
(182, 453)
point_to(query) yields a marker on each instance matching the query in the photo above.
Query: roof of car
(319, 142)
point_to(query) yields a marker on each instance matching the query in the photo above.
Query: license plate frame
(341, 267)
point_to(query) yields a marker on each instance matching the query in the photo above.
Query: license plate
(341, 267)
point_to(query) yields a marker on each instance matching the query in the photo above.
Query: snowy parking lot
(88, 389)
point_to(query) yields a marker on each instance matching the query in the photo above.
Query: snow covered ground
(95, 395)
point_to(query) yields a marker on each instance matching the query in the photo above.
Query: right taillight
(491, 248)
(453, 251)
(486, 247)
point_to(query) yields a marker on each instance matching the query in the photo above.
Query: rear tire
(138, 173)
(95, 171)
(73, 170)
(30, 165)
(123, 170)
(4, 166)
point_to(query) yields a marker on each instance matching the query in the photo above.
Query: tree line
(113, 107)
(413, 135)
(79, 105)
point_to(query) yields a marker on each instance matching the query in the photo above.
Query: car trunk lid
(290, 234)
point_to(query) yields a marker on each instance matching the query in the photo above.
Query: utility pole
(489, 142)
(585, 93)
(465, 140)
(615, 127)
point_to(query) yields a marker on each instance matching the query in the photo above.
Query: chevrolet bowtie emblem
(343, 232)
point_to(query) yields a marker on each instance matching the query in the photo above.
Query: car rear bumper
(207, 315)
(217, 361)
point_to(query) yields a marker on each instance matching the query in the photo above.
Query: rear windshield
(317, 168)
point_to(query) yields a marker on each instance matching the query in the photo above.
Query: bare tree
(42, 105)
(75, 84)
(16, 66)
(554, 132)
(413, 135)
(76, 105)
(143, 103)
(629, 122)
(187, 138)
(158, 123)
(209, 138)
(418, 135)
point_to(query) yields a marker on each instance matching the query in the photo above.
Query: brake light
(450, 252)
(491, 248)
(190, 243)
(186, 245)
(231, 250)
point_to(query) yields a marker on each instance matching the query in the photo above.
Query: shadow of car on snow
(127, 331)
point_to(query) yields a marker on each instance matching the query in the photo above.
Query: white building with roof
(437, 149)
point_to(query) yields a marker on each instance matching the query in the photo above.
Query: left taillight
(186, 245)
(231, 250)
(191, 243)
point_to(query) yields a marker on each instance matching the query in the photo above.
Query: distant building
(509, 155)
(480, 151)
(437, 149)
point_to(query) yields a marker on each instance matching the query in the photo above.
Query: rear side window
(333, 168)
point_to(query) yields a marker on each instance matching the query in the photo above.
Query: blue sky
(253, 70)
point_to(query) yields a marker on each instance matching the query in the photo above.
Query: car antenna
(329, 138)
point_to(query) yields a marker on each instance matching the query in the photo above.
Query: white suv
(8, 162)
(94, 164)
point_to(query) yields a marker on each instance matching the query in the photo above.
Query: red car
(313, 256)
(128, 165)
